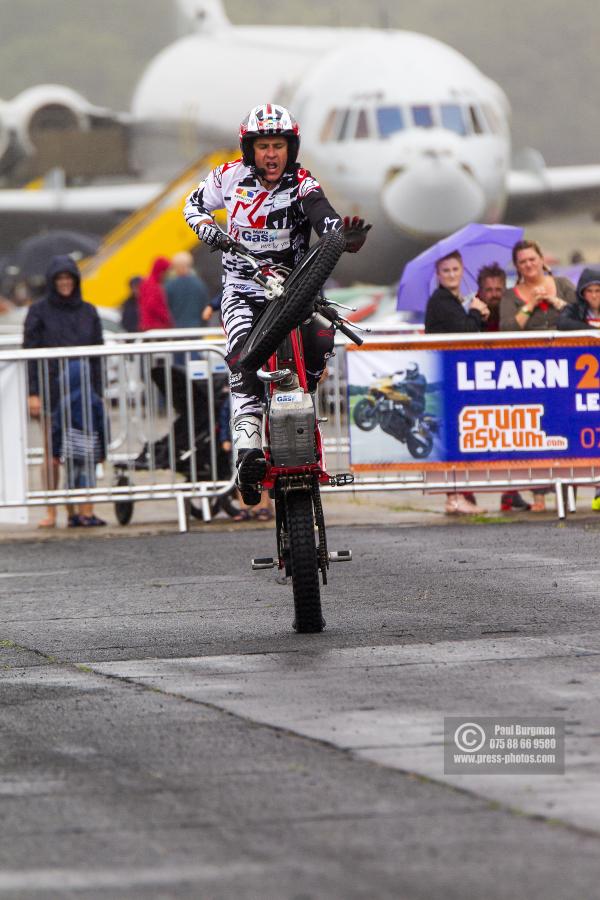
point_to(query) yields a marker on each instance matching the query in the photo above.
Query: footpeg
(263, 562)
(340, 555)
(341, 478)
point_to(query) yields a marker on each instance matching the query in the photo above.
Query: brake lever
(341, 305)
(354, 325)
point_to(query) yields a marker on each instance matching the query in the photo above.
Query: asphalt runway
(166, 734)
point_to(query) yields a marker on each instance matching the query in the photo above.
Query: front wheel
(297, 303)
(364, 415)
(304, 562)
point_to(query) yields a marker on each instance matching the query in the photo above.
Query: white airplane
(398, 127)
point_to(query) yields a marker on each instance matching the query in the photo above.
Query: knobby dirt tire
(304, 562)
(285, 313)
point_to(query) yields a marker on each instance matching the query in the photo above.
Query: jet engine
(51, 125)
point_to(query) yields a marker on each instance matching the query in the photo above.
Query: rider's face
(270, 155)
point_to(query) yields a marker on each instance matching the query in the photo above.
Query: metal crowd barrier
(153, 435)
(157, 385)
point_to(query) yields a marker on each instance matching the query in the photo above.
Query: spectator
(585, 312)
(130, 314)
(534, 304)
(212, 306)
(536, 300)
(491, 284)
(187, 294)
(153, 308)
(60, 319)
(445, 314)
(78, 435)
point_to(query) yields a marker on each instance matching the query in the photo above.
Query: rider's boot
(249, 457)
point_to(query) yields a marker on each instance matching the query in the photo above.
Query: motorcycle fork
(283, 486)
(290, 355)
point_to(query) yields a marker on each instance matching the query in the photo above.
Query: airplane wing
(97, 199)
(541, 190)
(95, 208)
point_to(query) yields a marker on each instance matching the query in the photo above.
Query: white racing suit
(275, 225)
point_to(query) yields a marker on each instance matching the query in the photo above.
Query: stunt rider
(411, 382)
(272, 203)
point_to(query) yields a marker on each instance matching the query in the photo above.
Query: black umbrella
(33, 255)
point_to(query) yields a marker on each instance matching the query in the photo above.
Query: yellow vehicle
(157, 229)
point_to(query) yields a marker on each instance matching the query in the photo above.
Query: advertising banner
(422, 405)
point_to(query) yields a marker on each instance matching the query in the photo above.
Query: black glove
(214, 237)
(355, 232)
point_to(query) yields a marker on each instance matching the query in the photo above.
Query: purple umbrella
(479, 245)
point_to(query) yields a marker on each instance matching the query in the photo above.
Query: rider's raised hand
(355, 232)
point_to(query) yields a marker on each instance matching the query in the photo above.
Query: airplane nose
(433, 195)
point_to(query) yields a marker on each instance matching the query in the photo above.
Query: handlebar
(329, 313)
(356, 338)
(273, 287)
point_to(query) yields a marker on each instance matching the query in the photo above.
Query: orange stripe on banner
(474, 345)
(538, 466)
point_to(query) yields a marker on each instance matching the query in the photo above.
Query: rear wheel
(304, 562)
(285, 313)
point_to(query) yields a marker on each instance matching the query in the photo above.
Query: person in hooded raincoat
(60, 319)
(152, 303)
(585, 312)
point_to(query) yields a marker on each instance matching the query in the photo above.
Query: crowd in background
(538, 301)
(172, 295)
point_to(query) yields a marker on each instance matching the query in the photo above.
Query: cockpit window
(453, 119)
(327, 129)
(389, 120)
(422, 116)
(477, 120)
(342, 125)
(492, 119)
(357, 123)
(362, 125)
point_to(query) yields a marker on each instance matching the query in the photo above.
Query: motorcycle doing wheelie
(291, 437)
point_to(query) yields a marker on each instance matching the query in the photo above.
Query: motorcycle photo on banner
(394, 401)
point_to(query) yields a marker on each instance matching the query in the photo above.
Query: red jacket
(152, 303)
